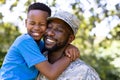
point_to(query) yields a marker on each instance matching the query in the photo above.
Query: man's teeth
(36, 34)
(50, 40)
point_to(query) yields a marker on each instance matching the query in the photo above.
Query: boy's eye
(32, 23)
(42, 24)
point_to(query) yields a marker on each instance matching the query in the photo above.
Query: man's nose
(50, 32)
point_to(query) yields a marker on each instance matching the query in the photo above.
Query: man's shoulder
(79, 70)
(80, 65)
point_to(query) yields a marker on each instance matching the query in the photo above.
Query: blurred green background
(98, 37)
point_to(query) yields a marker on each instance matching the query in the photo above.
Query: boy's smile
(36, 23)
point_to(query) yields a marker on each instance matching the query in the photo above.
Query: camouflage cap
(67, 17)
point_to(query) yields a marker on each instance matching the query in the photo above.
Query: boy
(24, 58)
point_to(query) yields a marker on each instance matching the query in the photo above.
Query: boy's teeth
(36, 34)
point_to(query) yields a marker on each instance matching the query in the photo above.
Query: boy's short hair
(39, 6)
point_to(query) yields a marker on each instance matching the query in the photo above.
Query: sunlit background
(99, 31)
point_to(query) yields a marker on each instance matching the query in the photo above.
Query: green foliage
(102, 65)
(116, 32)
(14, 5)
(90, 53)
(2, 1)
(2, 54)
(8, 33)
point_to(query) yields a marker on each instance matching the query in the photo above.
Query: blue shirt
(19, 62)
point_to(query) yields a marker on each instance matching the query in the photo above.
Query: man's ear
(71, 38)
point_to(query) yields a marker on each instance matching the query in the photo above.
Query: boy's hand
(72, 52)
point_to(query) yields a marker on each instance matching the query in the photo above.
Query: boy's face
(36, 23)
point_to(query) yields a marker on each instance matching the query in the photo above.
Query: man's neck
(56, 55)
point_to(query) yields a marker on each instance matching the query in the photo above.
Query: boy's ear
(71, 38)
(25, 22)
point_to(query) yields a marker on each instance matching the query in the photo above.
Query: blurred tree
(90, 52)
(8, 32)
(85, 42)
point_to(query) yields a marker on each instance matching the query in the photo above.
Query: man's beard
(58, 46)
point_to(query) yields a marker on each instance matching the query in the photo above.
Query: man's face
(36, 23)
(57, 35)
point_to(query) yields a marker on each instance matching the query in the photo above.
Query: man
(61, 31)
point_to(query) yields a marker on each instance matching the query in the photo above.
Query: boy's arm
(52, 71)
(72, 52)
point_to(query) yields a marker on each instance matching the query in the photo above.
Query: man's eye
(59, 30)
(49, 26)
